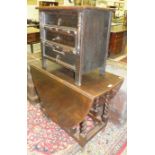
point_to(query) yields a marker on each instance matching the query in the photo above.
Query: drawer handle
(57, 57)
(58, 51)
(59, 21)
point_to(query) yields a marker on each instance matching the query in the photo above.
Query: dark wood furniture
(68, 105)
(32, 23)
(75, 37)
(47, 3)
(118, 40)
(33, 36)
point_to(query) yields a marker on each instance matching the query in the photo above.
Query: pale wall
(32, 13)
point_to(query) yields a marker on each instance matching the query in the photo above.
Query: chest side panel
(96, 29)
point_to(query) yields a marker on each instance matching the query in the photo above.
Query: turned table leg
(82, 128)
(105, 114)
(31, 45)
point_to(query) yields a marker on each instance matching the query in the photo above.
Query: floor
(36, 48)
(116, 66)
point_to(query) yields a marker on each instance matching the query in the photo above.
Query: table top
(78, 8)
(93, 84)
(32, 30)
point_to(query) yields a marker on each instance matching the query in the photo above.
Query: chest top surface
(76, 8)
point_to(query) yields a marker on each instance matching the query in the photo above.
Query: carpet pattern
(47, 138)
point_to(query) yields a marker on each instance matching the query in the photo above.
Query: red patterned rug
(47, 138)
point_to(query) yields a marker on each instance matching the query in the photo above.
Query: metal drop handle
(59, 21)
(58, 51)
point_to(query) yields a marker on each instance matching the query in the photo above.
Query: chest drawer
(60, 56)
(62, 18)
(60, 37)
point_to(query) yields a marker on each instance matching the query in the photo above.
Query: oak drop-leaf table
(68, 105)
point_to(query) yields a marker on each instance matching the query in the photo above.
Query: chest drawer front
(59, 56)
(60, 37)
(62, 18)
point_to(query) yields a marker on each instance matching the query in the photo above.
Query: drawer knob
(61, 52)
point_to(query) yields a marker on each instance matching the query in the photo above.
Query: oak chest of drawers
(75, 37)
